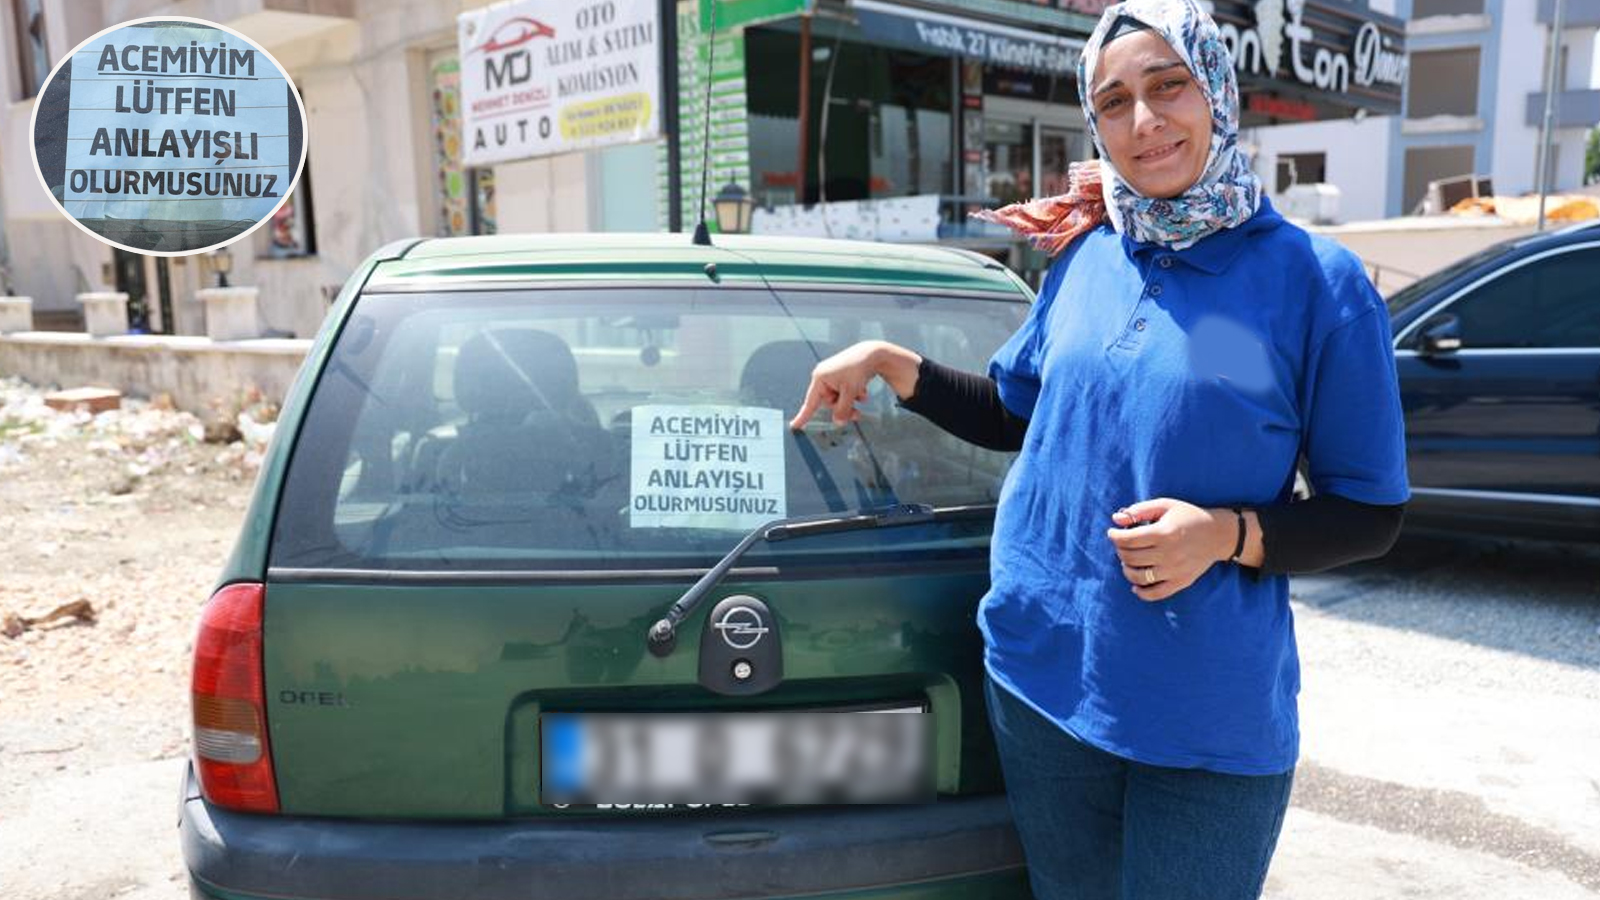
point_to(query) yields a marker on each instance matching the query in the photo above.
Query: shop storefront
(892, 120)
(1313, 60)
(880, 120)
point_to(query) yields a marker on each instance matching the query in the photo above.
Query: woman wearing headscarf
(1187, 348)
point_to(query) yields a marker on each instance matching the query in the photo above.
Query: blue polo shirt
(1199, 375)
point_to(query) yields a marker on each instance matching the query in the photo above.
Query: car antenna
(702, 231)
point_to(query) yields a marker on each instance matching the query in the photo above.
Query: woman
(1180, 358)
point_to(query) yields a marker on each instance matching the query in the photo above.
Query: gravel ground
(1450, 713)
(134, 512)
(1450, 708)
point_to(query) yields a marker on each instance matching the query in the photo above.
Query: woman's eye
(1173, 84)
(1109, 105)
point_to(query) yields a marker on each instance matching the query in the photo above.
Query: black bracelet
(1238, 549)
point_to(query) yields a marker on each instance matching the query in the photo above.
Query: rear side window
(1548, 303)
(1423, 287)
(614, 429)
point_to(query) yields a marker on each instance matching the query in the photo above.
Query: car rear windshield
(608, 429)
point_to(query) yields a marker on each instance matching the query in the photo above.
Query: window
(1425, 164)
(292, 231)
(1421, 9)
(1547, 303)
(1058, 149)
(497, 430)
(1301, 168)
(1442, 83)
(1561, 69)
(33, 48)
(1419, 290)
(1008, 160)
(888, 120)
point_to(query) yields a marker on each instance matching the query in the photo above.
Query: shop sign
(1279, 108)
(1314, 45)
(714, 137)
(1082, 7)
(738, 13)
(948, 35)
(542, 77)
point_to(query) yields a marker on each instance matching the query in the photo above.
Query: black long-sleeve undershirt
(1312, 535)
(967, 405)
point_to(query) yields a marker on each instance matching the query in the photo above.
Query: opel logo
(741, 627)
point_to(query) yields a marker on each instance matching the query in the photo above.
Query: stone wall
(194, 371)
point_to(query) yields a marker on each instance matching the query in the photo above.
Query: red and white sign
(542, 77)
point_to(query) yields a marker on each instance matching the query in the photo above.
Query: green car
(539, 596)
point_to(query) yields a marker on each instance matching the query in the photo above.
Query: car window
(1548, 303)
(608, 429)
(1423, 287)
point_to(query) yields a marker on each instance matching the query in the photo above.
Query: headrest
(776, 374)
(508, 373)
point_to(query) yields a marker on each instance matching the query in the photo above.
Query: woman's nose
(1146, 119)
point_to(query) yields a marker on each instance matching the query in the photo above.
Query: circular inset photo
(168, 136)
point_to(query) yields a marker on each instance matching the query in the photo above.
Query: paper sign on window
(719, 467)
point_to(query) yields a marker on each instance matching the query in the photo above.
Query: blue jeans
(1095, 826)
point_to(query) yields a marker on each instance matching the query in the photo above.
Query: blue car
(1499, 364)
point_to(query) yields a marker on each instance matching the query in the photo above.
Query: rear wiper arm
(663, 635)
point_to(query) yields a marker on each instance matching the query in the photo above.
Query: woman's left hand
(1178, 545)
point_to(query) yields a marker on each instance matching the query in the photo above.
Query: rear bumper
(963, 847)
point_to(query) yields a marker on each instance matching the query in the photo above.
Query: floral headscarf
(1227, 192)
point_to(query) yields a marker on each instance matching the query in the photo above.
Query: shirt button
(1166, 262)
(1138, 325)
(1155, 290)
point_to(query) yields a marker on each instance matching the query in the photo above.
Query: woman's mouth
(1157, 154)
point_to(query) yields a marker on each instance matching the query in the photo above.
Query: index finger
(808, 407)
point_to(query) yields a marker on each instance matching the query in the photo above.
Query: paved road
(1451, 726)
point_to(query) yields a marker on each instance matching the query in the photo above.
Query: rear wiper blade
(663, 635)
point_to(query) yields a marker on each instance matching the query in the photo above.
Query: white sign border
(656, 91)
(294, 181)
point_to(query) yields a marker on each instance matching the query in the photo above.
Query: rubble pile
(139, 438)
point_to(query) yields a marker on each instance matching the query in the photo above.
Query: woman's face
(1153, 119)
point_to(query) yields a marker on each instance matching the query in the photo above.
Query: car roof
(1512, 249)
(1579, 228)
(549, 260)
(1588, 229)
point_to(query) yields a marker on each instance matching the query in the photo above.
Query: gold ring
(1150, 575)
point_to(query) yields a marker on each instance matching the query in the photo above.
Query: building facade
(892, 121)
(380, 84)
(1473, 106)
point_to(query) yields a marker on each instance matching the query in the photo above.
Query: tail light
(232, 757)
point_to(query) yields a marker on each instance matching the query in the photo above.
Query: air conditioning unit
(1315, 203)
(1447, 192)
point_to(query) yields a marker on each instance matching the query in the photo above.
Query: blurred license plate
(871, 756)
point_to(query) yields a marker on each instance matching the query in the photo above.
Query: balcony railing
(1579, 14)
(1574, 109)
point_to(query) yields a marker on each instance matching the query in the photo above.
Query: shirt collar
(1214, 252)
